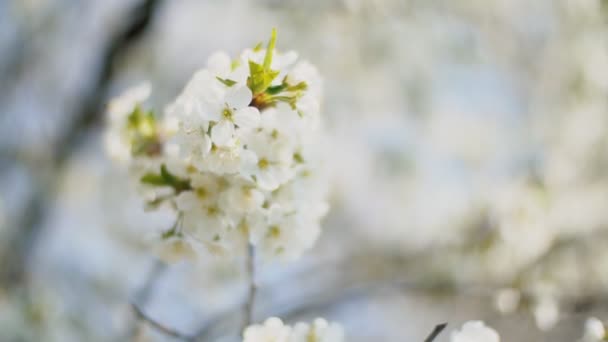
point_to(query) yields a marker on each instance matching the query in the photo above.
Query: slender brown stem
(159, 326)
(249, 304)
(436, 331)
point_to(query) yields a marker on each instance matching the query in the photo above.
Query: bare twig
(436, 331)
(249, 304)
(159, 326)
(88, 113)
(139, 21)
(143, 294)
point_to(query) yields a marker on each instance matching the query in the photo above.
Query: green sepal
(226, 81)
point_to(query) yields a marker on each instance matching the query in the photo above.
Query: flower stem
(248, 309)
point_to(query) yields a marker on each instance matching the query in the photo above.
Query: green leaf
(261, 76)
(276, 89)
(298, 87)
(227, 82)
(166, 178)
(177, 183)
(258, 47)
(255, 81)
(291, 100)
(153, 179)
(167, 234)
(270, 49)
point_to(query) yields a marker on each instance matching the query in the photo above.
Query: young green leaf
(261, 76)
(270, 49)
(166, 178)
(273, 90)
(226, 81)
(177, 183)
(153, 179)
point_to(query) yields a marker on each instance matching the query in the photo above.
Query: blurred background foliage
(467, 142)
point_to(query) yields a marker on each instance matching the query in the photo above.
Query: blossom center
(263, 163)
(213, 211)
(202, 193)
(227, 114)
(274, 231)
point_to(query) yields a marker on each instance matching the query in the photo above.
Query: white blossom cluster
(274, 330)
(234, 154)
(474, 331)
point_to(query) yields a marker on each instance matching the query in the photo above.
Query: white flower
(174, 249)
(234, 112)
(273, 330)
(270, 161)
(242, 198)
(224, 159)
(203, 218)
(283, 235)
(474, 331)
(220, 65)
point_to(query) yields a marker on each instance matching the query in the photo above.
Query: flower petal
(238, 97)
(248, 117)
(219, 64)
(185, 200)
(267, 180)
(205, 144)
(222, 132)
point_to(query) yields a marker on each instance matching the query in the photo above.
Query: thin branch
(85, 116)
(249, 305)
(159, 326)
(144, 293)
(91, 108)
(438, 329)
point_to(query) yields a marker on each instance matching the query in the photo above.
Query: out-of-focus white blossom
(117, 139)
(234, 154)
(507, 300)
(546, 312)
(273, 330)
(595, 330)
(475, 331)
